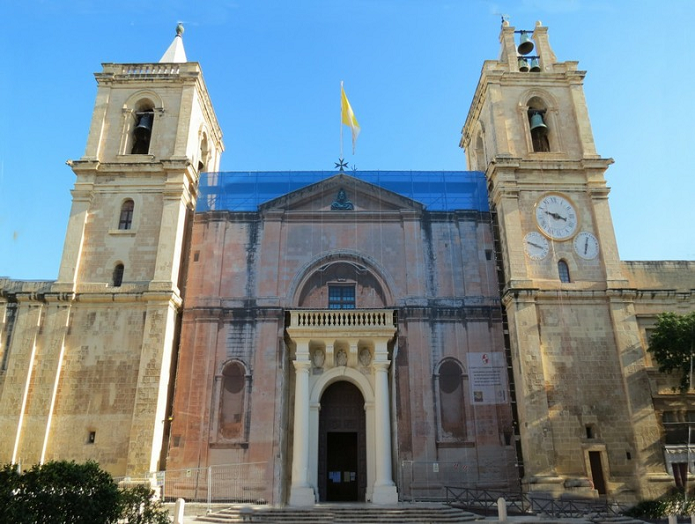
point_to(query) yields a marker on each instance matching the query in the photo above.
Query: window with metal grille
(563, 271)
(126, 219)
(341, 297)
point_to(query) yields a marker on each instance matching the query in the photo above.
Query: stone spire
(175, 53)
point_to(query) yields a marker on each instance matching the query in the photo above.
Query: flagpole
(341, 121)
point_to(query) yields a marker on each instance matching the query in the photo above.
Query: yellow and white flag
(348, 116)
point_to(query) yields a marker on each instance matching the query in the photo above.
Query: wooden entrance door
(342, 475)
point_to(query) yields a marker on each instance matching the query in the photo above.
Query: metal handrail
(525, 503)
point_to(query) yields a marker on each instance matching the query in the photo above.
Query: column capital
(301, 365)
(381, 365)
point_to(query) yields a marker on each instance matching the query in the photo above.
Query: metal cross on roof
(341, 164)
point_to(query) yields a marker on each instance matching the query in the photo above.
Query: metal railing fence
(519, 503)
(229, 483)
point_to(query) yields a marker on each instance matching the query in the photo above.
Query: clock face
(586, 245)
(556, 216)
(536, 245)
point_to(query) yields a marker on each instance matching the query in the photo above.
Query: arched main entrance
(336, 346)
(342, 471)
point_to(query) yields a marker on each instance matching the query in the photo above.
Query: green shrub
(671, 504)
(10, 506)
(66, 492)
(58, 492)
(138, 506)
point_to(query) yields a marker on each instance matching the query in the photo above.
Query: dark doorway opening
(597, 472)
(342, 475)
(341, 465)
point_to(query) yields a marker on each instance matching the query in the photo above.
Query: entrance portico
(332, 346)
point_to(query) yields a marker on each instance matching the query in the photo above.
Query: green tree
(673, 345)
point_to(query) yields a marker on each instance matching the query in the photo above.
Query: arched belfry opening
(342, 460)
(142, 132)
(537, 111)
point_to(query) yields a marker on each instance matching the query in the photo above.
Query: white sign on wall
(487, 376)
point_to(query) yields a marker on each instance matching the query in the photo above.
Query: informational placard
(487, 376)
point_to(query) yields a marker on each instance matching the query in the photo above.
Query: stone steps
(344, 514)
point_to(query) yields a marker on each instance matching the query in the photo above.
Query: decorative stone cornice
(537, 295)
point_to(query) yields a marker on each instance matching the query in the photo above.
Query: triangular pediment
(341, 193)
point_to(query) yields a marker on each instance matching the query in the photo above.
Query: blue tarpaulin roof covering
(436, 190)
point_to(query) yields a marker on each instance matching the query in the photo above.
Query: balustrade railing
(147, 69)
(342, 318)
(150, 69)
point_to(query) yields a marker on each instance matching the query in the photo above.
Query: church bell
(538, 124)
(144, 127)
(525, 44)
(535, 66)
(523, 65)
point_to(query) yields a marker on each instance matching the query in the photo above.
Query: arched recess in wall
(139, 128)
(451, 382)
(315, 284)
(232, 392)
(538, 114)
(478, 156)
(204, 155)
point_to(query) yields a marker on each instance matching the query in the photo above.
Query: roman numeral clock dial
(556, 216)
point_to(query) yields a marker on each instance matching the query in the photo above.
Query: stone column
(384, 488)
(301, 493)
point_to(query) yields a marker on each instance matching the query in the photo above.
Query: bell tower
(562, 285)
(153, 131)
(120, 283)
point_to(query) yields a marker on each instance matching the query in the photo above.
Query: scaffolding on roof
(436, 190)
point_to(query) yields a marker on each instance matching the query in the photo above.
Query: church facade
(371, 336)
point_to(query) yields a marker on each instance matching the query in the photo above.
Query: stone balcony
(360, 334)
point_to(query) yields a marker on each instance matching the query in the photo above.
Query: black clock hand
(556, 216)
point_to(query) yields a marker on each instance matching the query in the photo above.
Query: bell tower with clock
(562, 287)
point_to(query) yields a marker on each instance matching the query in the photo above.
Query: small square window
(341, 297)
(91, 437)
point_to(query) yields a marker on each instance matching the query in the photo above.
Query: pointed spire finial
(175, 53)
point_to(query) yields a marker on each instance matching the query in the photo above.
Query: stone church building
(366, 336)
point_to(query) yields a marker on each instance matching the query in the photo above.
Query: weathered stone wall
(436, 269)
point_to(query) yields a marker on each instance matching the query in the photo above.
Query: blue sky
(273, 70)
